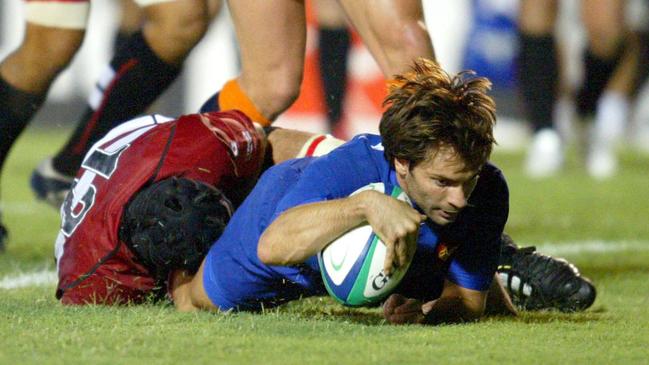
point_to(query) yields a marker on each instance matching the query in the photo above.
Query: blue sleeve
(479, 230)
(334, 176)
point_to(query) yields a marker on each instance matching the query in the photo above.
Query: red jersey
(221, 149)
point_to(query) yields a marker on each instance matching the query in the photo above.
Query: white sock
(564, 115)
(611, 117)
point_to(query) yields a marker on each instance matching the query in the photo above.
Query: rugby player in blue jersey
(436, 138)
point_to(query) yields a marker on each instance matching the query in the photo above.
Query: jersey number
(100, 162)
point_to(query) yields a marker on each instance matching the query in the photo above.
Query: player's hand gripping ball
(352, 265)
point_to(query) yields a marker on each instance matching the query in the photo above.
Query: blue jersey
(464, 252)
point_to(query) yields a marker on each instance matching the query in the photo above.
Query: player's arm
(302, 231)
(187, 291)
(498, 301)
(285, 144)
(455, 304)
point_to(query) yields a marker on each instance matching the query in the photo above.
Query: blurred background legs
(334, 43)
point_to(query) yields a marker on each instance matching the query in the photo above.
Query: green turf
(34, 328)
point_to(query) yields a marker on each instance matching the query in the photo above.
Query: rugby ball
(352, 265)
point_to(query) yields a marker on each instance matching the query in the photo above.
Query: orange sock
(233, 97)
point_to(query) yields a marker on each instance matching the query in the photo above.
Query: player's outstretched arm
(455, 305)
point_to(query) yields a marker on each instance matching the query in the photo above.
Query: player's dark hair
(428, 109)
(173, 223)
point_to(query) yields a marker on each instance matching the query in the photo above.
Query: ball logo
(340, 256)
(338, 265)
(379, 281)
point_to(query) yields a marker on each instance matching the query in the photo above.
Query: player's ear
(401, 166)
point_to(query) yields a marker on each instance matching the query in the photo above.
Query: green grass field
(601, 226)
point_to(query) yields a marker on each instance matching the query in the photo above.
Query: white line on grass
(594, 246)
(28, 279)
(45, 277)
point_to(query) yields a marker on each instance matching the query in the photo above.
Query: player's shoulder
(363, 148)
(490, 198)
(362, 155)
(492, 179)
(368, 141)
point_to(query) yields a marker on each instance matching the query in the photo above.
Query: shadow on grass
(349, 315)
(543, 317)
(324, 309)
(345, 315)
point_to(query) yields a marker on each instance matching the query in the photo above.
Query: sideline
(593, 246)
(28, 279)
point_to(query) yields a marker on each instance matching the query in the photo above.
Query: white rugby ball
(352, 265)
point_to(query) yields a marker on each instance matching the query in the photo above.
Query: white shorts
(68, 14)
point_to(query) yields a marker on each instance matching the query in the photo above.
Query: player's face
(440, 185)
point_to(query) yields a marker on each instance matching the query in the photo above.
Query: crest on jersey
(444, 251)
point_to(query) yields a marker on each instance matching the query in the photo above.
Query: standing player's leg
(394, 31)
(53, 34)
(140, 71)
(334, 42)
(131, 20)
(538, 75)
(272, 38)
(610, 70)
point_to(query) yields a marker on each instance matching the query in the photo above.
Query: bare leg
(605, 26)
(172, 29)
(53, 34)
(394, 31)
(130, 22)
(334, 42)
(45, 51)
(538, 80)
(611, 66)
(272, 36)
(138, 73)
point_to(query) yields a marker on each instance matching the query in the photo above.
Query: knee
(604, 40)
(51, 51)
(275, 91)
(286, 92)
(537, 17)
(178, 27)
(187, 27)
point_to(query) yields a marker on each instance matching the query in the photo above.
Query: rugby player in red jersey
(151, 196)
